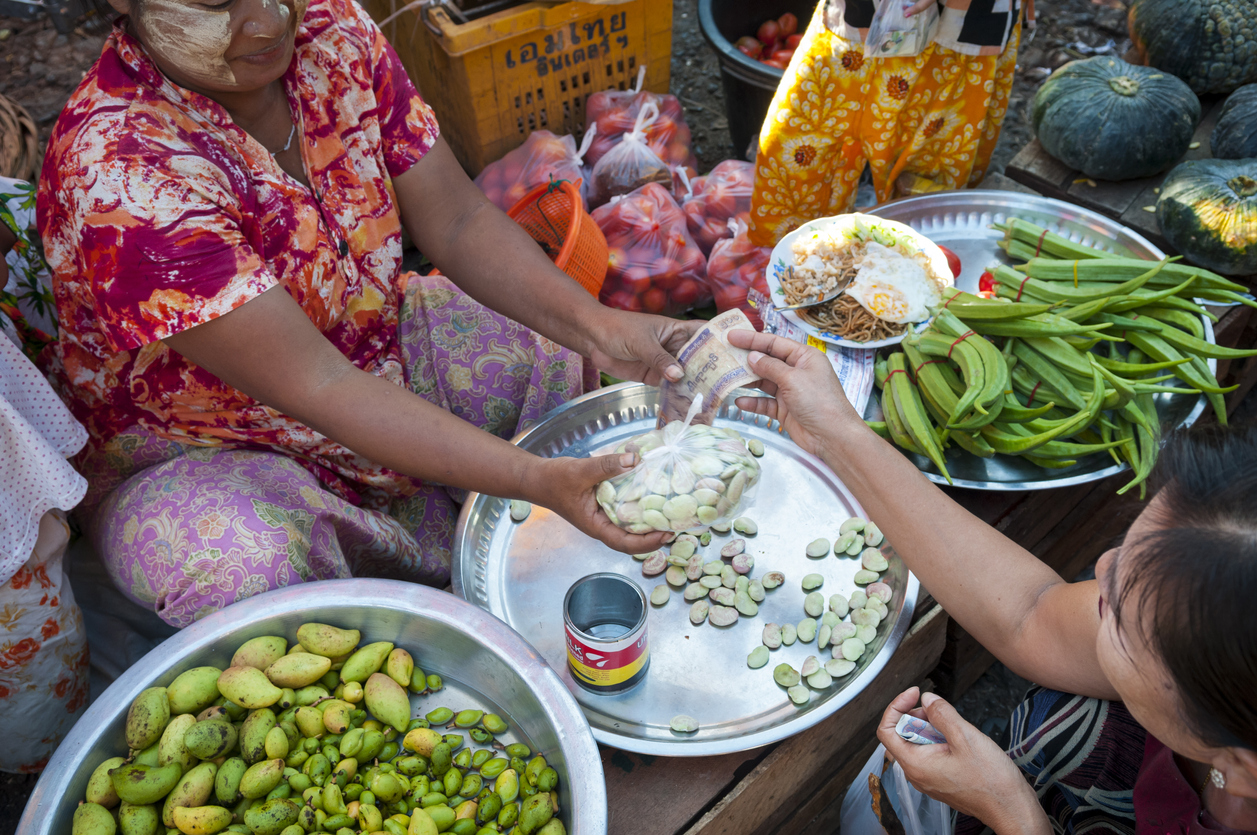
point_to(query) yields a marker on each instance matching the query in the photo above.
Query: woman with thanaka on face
(271, 398)
(1161, 648)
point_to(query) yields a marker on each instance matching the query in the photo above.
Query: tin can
(604, 616)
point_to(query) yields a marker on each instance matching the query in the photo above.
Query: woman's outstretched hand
(806, 395)
(567, 485)
(970, 773)
(636, 346)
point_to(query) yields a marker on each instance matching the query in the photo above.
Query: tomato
(637, 279)
(654, 300)
(953, 261)
(793, 41)
(784, 54)
(750, 47)
(768, 32)
(788, 24)
(773, 62)
(986, 285)
(686, 292)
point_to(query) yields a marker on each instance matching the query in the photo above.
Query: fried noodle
(843, 316)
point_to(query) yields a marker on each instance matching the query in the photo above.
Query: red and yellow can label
(611, 665)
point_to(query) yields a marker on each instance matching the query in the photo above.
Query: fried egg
(892, 287)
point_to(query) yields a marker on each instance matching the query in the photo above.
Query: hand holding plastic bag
(690, 477)
(892, 34)
(543, 157)
(881, 784)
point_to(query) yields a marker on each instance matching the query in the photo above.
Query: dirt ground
(40, 68)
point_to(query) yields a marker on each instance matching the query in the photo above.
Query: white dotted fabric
(37, 434)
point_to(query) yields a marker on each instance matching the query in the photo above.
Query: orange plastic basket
(555, 216)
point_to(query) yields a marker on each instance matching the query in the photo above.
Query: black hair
(1196, 574)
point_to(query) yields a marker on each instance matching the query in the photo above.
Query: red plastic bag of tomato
(735, 266)
(615, 113)
(541, 158)
(714, 200)
(630, 165)
(654, 265)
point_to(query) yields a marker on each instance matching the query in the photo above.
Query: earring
(1217, 778)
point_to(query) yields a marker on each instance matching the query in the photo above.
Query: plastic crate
(494, 80)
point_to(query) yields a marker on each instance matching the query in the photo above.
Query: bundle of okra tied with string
(1063, 362)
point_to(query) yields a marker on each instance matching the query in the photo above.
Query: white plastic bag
(690, 476)
(919, 814)
(631, 164)
(892, 35)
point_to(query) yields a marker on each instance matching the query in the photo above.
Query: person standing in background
(923, 122)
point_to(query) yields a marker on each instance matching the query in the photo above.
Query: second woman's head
(1178, 633)
(236, 46)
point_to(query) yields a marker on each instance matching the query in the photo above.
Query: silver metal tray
(520, 573)
(484, 665)
(961, 221)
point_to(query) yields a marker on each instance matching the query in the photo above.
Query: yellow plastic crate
(494, 80)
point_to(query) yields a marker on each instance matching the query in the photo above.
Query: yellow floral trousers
(924, 123)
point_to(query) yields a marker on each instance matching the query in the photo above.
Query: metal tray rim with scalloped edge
(961, 221)
(520, 572)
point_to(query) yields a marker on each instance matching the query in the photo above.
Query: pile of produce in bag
(543, 157)
(735, 266)
(615, 112)
(717, 198)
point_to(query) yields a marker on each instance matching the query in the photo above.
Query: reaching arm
(1022, 611)
(496, 262)
(269, 349)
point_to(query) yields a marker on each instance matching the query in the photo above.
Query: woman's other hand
(970, 773)
(567, 485)
(807, 397)
(918, 7)
(641, 347)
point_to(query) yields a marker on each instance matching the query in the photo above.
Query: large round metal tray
(520, 572)
(484, 664)
(961, 221)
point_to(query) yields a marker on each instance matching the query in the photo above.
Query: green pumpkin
(1115, 121)
(1210, 44)
(1208, 212)
(1235, 135)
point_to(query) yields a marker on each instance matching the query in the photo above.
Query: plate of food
(892, 275)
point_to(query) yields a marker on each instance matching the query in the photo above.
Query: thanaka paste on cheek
(195, 40)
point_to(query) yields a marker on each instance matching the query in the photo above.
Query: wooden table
(797, 786)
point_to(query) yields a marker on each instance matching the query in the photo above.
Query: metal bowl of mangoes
(342, 706)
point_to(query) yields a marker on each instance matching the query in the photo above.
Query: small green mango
(193, 789)
(141, 785)
(299, 670)
(261, 778)
(535, 813)
(194, 690)
(400, 666)
(387, 701)
(554, 827)
(276, 743)
(93, 819)
(147, 718)
(272, 817)
(172, 748)
(138, 820)
(328, 641)
(227, 781)
(421, 823)
(100, 788)
(337, 715)
(148, 756)
(310, 722)
(202, 820)
(210, 739)
(260, 653)
(253, 734)
(307, 696)
(365, 661)
(248, 687)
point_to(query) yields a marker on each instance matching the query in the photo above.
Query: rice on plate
(896, 275)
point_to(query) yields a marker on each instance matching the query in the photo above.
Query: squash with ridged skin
(1235, 135)
(1115, 121)
(1208, 212)
(1210, 44)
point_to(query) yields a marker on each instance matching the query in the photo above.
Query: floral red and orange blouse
(159, 214)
